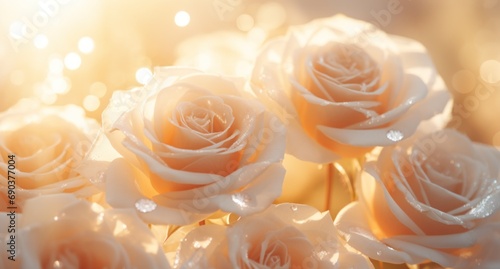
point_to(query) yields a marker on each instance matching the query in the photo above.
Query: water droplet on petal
(99, 178)
(242, 199)
(379, 252)
(395, 135)
(294, 208)
(145, 205)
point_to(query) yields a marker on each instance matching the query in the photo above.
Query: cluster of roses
(183, 172)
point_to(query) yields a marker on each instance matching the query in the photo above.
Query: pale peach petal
(122, 193)
(48, 142)
(342, 80)
(282, 236)
(352, 223)
(405, 124)
(73, 233)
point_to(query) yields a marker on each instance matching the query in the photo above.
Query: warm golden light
(86, 45)
(143, 75)
(496, 140)
(59, 85)
(98, 89)
(464, 81)
(17, 77)
(182, 18)
(56, 65)
(91, 103)
(41, 41)
(16, 30)
(257, 34)
(49, 98)
(72, 61)
(490, 71)
(271, 15)
(245, 22)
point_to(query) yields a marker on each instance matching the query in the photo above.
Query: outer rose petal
(73, 233)
(353, 224)
(306, 236)
(196, 204)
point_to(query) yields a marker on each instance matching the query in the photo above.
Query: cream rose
(282, 236)
(43, 145)
(61, 231)
(435, 198)
(190, 144)
(342, 87)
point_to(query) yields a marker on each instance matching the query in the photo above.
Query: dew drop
(395, 135)
(99, 178)
(242, 199)
(294, 208)
(145, 205)
(379, 252)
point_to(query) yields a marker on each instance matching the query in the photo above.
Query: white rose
(433, 197)
(343, 86)
(189, 144)
(282, 236)
(40, 147)
(60, 231)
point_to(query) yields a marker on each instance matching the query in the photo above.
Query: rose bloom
(47, 144)
(189, 144)
(343, 86)
(282, 236)
(61, 231)
(432, 198)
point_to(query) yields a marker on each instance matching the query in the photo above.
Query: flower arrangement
(200, 169)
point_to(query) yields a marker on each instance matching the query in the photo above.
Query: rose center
(27, 144)
(202, 115)
(445, 172)
(348, 65)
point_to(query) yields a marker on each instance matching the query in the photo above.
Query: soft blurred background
(74, 51)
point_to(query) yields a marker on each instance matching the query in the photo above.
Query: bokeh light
(86, 45)
(245, 22)
(143, 75)
(60, 85)
(91, 103)
(41, 41)
(72, 61)
(182, 18)
(16, 29)
(490, 71)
